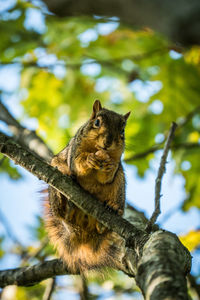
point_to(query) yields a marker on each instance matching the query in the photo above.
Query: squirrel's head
(105, 130)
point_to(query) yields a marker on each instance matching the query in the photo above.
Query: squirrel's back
(93, 158)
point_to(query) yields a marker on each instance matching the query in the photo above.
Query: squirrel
(93, 159)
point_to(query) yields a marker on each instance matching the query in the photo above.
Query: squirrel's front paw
(93, 162)
(108, 166)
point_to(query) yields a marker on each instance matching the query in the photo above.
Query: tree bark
(27, 276)
(162, 267)
(178, 20)
(158, 260)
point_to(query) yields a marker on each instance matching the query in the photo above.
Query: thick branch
(25, 136)
(162, 267)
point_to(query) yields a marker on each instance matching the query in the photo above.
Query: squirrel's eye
(97, 123)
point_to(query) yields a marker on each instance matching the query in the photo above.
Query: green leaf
(6, 167)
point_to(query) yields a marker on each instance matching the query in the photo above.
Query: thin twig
(161, 171)
(83, 289)
(144, 153)
(157, 147)
(36, 253)
(49, 289)
(189, 116)
(82, 286)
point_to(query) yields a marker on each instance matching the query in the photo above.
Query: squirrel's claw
(93, 162)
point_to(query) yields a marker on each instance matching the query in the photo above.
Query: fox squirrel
(93, 158)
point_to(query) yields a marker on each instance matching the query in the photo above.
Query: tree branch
(161, 172)
(83, 288)
(161, 269)
(24, 136)
(155, 148)
(189, 116)
(28, 276)
(37, 253)
(49, 289)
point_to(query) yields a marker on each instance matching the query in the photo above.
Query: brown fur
(93, 158)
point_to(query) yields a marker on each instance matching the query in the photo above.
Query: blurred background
(51, 71)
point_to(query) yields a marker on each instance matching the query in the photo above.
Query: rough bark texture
(158, 260)
(162, 267)
(28, 276)
(179, 20)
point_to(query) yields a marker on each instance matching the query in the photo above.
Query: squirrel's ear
(127, 115)
(96, 108)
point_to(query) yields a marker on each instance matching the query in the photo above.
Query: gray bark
(158, 260)
(27, 276)
(178, 20)
(162, 267)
